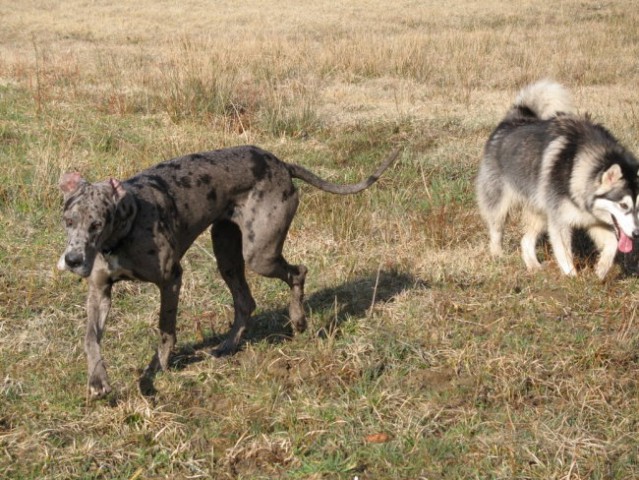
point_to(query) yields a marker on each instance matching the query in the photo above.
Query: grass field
(424, 359)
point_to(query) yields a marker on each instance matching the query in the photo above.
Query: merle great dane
(140, 228)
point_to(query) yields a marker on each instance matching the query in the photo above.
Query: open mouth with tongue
(624, 244)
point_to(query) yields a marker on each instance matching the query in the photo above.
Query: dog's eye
(95, 226)
(68, 222)
(624, 206)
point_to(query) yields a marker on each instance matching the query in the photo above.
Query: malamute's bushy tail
(544, 99)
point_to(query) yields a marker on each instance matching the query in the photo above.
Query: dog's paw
(299, 323)
(98, 388)
(146, 386)
(297, 316)
(98, 385)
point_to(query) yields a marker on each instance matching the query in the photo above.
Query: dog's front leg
(606, 242)
(560, 238)
(169, 299)
(98, 306)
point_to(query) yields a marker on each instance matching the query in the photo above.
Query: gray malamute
(565, 172)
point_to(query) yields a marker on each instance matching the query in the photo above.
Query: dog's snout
(73, 259)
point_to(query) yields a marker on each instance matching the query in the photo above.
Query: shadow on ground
(332, 306)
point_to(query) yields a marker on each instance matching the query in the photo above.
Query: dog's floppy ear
(118, 190)
(69, 182)
(611, 175)
(126, 207)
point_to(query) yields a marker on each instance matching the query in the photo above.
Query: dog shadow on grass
(334, 306)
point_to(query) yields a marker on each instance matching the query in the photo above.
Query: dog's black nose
(73, 259)
(635, 233)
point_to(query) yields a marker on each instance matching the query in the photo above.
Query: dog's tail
(542, 100)
(312, 179)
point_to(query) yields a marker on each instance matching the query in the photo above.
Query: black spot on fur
(184, 182)
(158, 183)
(170, 164)
(286, 194)
(151, 252)
(229, 211)
(259, 167)
(212, 195)
(251, 232)
(199, 157)
(204, 180)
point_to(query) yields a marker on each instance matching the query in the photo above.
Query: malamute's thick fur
(565, 172)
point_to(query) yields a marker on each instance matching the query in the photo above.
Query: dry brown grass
(464, 367)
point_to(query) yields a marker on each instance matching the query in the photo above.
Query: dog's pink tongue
(625, 243)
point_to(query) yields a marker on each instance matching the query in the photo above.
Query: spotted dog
(139, 229)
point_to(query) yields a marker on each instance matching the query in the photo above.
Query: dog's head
(615, 203)
(93, 214)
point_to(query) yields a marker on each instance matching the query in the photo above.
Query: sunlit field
(424, 357)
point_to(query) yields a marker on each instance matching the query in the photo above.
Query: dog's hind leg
(263, 235)
(275, 266)
(227, 246)
(494, 205)
(534, 225)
